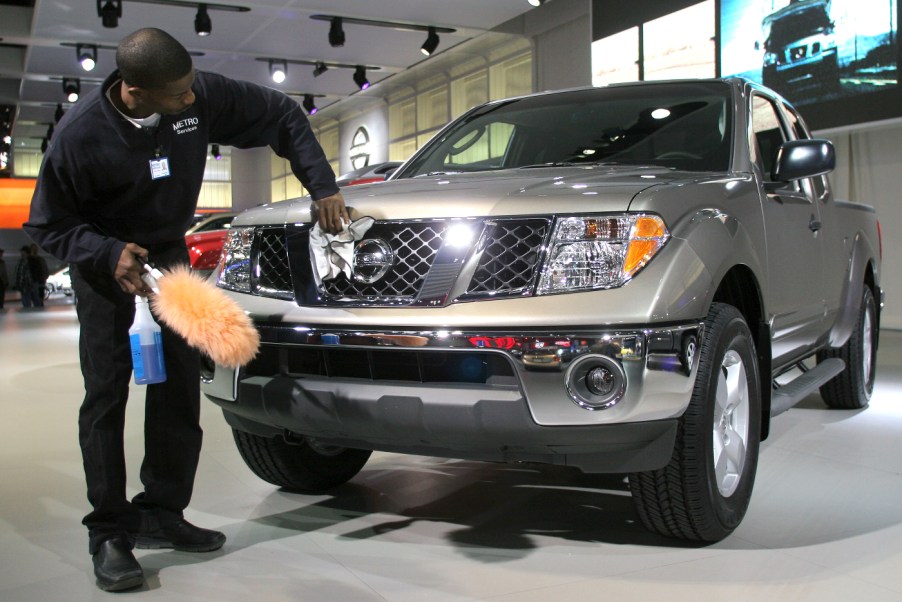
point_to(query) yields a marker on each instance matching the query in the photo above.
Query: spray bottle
(147, 346)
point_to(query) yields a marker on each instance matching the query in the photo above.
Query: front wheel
(703, 493)
(852, 388)
(302, 466)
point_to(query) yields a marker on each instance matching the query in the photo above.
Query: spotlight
(110, 12)
(87, 56)
(58, 114)
(431, 42)
(336, 33)
(71, 88)
(360, 77)
(202, 24)
(278, 70)
(214, 152)
(537, 2)
(308, 104)
(319, 69)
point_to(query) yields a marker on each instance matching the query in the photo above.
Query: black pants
(172, 433)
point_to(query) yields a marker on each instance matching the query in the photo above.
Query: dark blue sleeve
(247, 115)
(54, 223)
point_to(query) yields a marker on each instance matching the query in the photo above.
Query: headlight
(235, 263)
(600, 252)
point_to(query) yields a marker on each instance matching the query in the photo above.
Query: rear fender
(853, 286)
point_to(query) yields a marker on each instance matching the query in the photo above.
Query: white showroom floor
(825, 521)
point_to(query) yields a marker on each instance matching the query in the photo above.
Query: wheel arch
(740, 288)
(862, 271)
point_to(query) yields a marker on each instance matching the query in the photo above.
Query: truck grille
(510, 257)
(510, 253)
(415, 247)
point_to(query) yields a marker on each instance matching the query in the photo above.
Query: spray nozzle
(151, 277)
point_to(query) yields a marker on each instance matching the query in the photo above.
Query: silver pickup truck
(631, 279)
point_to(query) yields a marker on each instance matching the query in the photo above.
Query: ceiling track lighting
(278, 67)
(309, 104)
(537, 2)
(215, 152)
(431, 42)
(87, 56)
(109, 12)
(278, 70)
(337, 35)
(203, 26)
(360, 77)
(71, 88)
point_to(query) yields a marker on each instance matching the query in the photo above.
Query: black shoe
(180, 535)
(115, 566)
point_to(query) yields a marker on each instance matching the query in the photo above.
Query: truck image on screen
(800, 47)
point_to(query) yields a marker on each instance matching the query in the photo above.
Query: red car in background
(205, 241)
(204, 249)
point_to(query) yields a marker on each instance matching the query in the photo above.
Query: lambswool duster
(204, 316)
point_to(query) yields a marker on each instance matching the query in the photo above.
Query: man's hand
(331, 213)
(129, 269)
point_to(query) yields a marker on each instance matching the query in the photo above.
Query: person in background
(4, 279)
(117, 189)
(24, 282)
(39, 274)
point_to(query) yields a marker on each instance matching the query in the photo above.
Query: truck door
(834, 254)
(795, 299)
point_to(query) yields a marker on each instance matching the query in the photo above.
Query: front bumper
(468, 394)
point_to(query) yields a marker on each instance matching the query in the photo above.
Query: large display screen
(837, 60)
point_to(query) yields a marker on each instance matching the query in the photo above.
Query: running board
(796, 390)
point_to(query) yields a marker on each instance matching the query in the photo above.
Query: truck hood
(525, 191)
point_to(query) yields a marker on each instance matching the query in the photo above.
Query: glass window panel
(681, 44)
(402, 149)
(402, 118)
(512, 77)
(215, 195)
(277, 190)
(616, 58)
(469, 91)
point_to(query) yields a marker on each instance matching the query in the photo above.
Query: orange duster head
(205, 317)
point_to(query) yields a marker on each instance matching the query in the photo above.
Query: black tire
(697, 497)
(299, 466)
(851, 389)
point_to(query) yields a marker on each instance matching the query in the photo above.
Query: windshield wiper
(436, 173)
(550, 164)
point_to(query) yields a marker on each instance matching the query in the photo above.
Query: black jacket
(95, 191)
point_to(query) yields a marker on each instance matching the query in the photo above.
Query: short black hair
(150, 58)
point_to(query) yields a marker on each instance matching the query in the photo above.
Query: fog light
(595, 382)
(600, 381)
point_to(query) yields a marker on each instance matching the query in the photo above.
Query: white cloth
(334, 253)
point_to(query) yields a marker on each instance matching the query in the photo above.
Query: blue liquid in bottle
(147, 346)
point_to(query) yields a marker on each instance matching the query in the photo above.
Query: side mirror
(798, 159)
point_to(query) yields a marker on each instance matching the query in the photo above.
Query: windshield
(678, 125)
